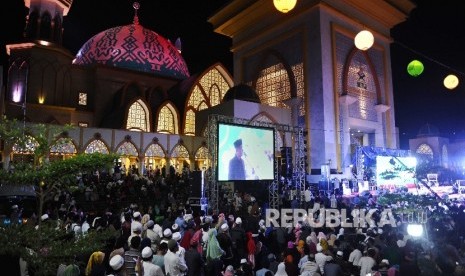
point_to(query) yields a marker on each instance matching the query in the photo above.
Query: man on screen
(236, 164)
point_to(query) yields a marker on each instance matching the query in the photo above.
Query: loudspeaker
(195, 184)
(286, 161)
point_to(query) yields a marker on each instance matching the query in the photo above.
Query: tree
(47, 177)
(46, 247)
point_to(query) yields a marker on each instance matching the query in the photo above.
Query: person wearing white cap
(150, 269)
(136, 230)
(321, 258)
(117, 266)
(167, 234)
(181, 252)
(239, 241)
(225, 243)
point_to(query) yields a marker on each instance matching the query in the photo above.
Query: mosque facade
(128, 89)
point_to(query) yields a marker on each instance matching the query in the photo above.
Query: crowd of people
(159, 233)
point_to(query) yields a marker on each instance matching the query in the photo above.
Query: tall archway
(180, 157)
(155, 157)
(202, 158)
(129, 156)
(168, 120)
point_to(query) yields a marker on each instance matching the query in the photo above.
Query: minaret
(45, 20)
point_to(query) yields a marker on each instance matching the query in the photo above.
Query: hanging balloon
(415, 68)
(364, 40)
(284, 6)
(451, 81)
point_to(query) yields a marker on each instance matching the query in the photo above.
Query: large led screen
(395, 170)
(245, 152)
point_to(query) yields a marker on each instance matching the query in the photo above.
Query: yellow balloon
(451, 81)
(284, 6)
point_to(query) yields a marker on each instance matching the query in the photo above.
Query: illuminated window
(190, 123)
(28, 147)
(82, 124)
(82, 98)
(425, 150)
(97, 146)
(209, 91)
(155, 150)
(127, 149)
(273, 86)
(63, 146)
(202, 153)
(166, 120)
(138, 117)
(180, 151)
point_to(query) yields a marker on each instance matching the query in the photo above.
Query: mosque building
(128, 89)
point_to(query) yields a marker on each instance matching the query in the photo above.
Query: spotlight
(415, 230)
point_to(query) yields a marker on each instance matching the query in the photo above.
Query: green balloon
(415, 68)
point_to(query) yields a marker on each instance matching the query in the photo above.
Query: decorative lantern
(364, 40)
(284, 6)
(451, 81)
(415, 68)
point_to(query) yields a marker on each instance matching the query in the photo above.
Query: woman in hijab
(95, 265)
(281, 270)
(214, 253)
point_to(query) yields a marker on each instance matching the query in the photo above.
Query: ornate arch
(180, 151)
(63, 146)
(275, 80)
(96, 145)
(425, 149)
(127, 148)
(155, 150)
(208, 90)
(360, 80)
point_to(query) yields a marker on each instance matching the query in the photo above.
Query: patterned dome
(133, 47)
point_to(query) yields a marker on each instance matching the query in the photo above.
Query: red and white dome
(133, 47)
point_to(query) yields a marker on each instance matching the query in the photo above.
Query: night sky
(434, 34)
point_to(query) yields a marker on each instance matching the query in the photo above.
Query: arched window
(57, 29)
(180, 151)
(167, 122)
(29, 146)
(273, 85)
(127, 149)
(202, 153)
(138, 117)
(97, 146)
(63, 148)
(209, 91)
(425, 149)
(155, 150)
(25, 150)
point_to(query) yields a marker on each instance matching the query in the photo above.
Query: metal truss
(299, 163)
(273, 188)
